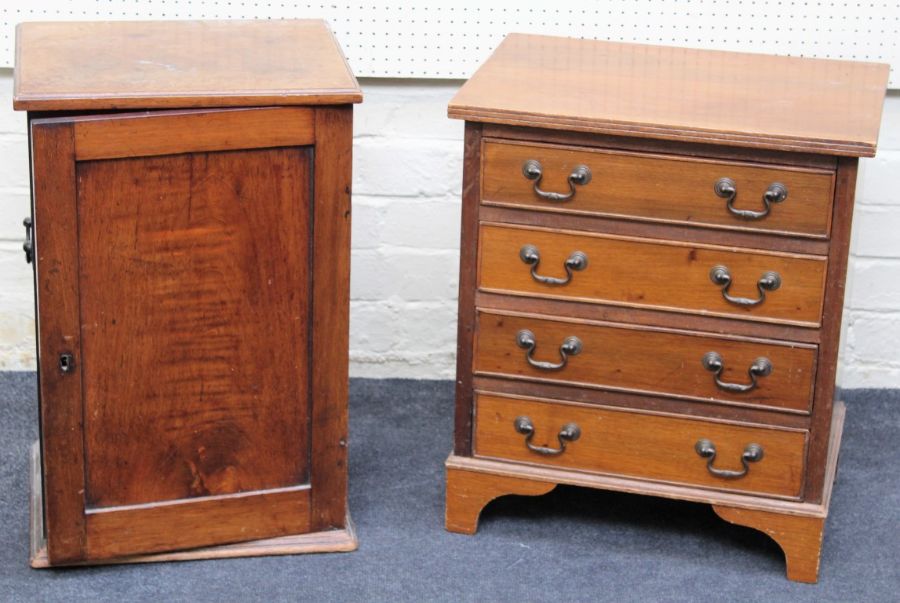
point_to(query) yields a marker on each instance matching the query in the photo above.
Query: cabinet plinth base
(328, 541)
(796, 526)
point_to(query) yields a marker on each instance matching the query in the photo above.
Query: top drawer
(661, 188)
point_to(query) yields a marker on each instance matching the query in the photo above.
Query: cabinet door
(192, 272)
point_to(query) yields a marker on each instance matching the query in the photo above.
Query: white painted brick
(407, 109)
(404, 328)
(398, 168)
(889, 136)
(15, 204)
(17, 342)
(877, 232)
(866, 375)
(873, 338)
(876, 285)
(423, 223)
(14, 164)
(878, 181)
(367, 224)
(411, 275)
(11, 122)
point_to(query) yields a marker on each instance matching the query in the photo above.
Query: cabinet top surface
(168, 64)
(738, 99)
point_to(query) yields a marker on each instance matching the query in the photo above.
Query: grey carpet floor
(570, 545)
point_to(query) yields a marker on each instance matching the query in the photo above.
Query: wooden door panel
(182, 284)
(194, 306)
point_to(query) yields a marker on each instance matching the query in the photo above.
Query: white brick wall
(407, 174)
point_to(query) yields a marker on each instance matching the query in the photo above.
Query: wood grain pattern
(468, 493)
(330, 248)
(195, 313)
(59, 331)
(145, 134)
(179, 64)
(658, 188)
(655, 274)
(117, 532)
(799, 537)
(831, 328)
(342, 540)
(618, 483)
(468, 285)
(648, 360)
(739, 99)
(641, 444)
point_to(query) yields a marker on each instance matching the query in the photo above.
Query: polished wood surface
(330, 541)
(193, 336)
(179, 64)
(654, 274)
(468, 493)
(59, 331)
(211, 358)
(659, 188)
(147, 134)
(640, 444)
(739, 99)
(646, 360)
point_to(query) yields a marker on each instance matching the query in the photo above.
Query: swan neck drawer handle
(533, 170)
(568, 433)
(727, 189)
(570, 346)
(706, 449)
(576, 261)
(761, 367)
(721, 276)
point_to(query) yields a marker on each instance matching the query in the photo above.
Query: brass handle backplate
(761, 367)
(727, 189)
(533, 170)
(570, 346)
(706, 449)
(721, 276)
(568, 433)
(530, 254)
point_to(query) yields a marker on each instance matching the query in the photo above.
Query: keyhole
(66, 362)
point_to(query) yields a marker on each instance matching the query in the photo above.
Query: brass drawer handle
(706, 449)
(761, 367)
(28, 245)
(571, 346)
(726, 189)
(569, 433)
(769, 281)
(533, 170)
(530, 254)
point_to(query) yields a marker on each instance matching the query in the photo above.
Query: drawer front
(664, 275)
(671, 363)
(659, 447)
(660, 188)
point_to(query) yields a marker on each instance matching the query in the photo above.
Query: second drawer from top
(668, 275)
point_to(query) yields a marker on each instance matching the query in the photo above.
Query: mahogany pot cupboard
(654, 249)
(190, 236)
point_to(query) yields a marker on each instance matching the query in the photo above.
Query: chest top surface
(739, 99)
(179, 64)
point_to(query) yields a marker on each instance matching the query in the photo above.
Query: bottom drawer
(715, 454)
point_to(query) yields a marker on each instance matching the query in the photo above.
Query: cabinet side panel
(468, 273)
(56, 245)
(194, 310)
(844, 195)
(331, 316)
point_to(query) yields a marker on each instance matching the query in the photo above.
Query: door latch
(28, 245)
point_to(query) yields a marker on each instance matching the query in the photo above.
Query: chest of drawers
(652, 273)
(191, 212)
